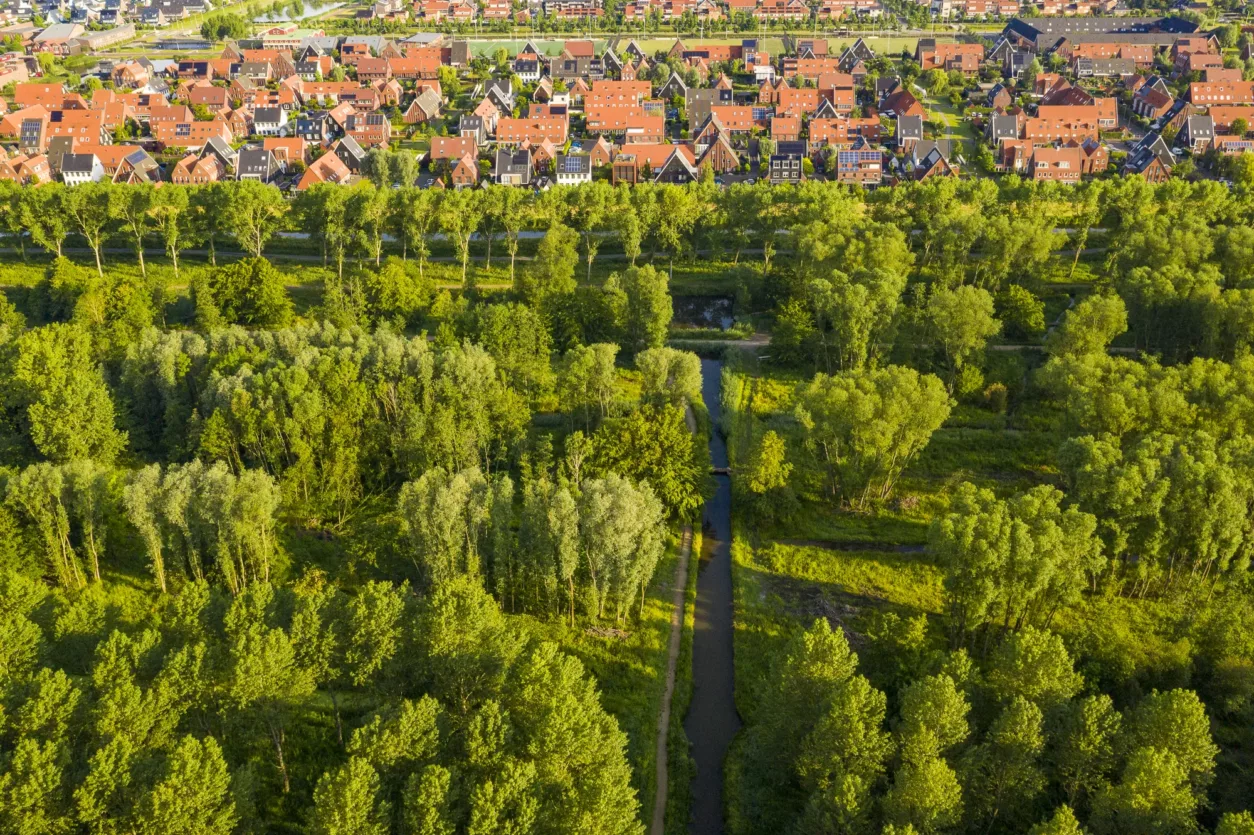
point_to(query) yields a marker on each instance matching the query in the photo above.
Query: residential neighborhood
(1056, 98)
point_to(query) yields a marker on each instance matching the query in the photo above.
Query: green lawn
(957, 128)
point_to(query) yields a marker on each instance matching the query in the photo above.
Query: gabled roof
(679, 160)
(674, 86)
(254, 161)
(855, 52)
(268, 115)
(720, 144)
(1003, 127)
(509, 163)
(925, 147)
(429, 101)
(219, 147)
(78, 163)
(1150, 148)
(1200, 126)
(352, 146)
(825, 110)
(579, 164)
(909, 127)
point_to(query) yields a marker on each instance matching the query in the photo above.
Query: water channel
(712, 721)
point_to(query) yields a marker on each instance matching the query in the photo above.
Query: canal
(712, 721)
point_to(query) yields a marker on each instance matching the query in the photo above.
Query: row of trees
(1181, 270)
(602, 537)
(193, 519)
(1011, 224)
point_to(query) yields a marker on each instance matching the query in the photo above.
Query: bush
(996, 396)
(970, 382)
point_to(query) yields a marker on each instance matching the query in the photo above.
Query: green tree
(222, 26)
(648, 311)
(1015, 561)
(854, 314)
(465, 644)
(516, 337)
(933, 718)
(44, 214)
(371, 630)
(621, 536)
(793, 332)
(1062, 823)
(552, 271)
(37, 494)
(768, 469)
(255, 211)
(514, 212)
(32, 791)
(174, 220)
(397, 292)
(1235, 823)
(324, 212)
(193, 795)
(1033, 664)
(1006, 766)
(90, 209)
(843, 757)
(249, 292)
(347, 802)
(961, 322)
(590, 207)
(925, 795)
(413, 216)
(57, 399)
(1085, 753)
(1152, 798)
(460, 214)
(210, 206)
(866, 426)
(368, 212)
(1175, 721)
(426, 802)
(653, 444)
(448, 521)
(587, 379)
(669, 375)
(133, 207)
(1089, 327)
(1022, 312)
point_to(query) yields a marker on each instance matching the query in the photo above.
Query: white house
(573, 168)
(270, 121)
(77, 169)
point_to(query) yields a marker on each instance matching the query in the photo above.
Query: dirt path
(672, 659)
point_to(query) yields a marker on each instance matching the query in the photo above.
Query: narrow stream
(712, 720)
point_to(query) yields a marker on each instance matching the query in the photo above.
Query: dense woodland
(272, 566)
